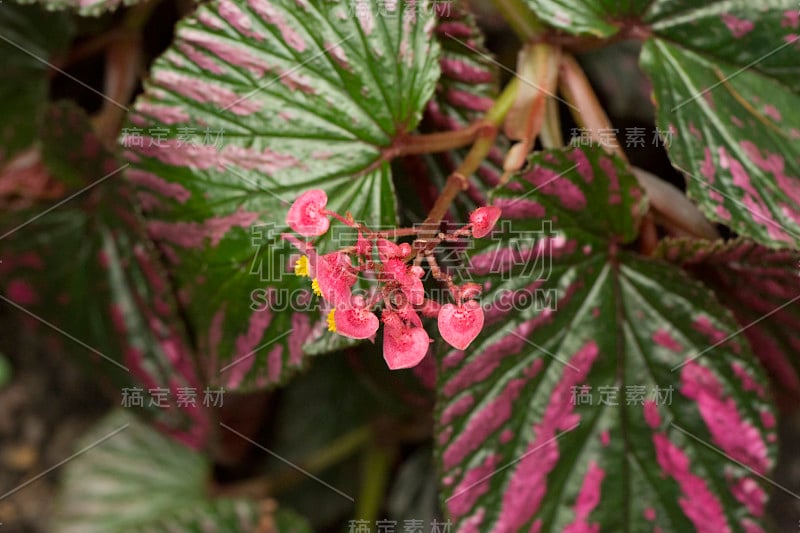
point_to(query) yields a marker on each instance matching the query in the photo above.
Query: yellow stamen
(315, 287)
(331, 321)
(301, 267)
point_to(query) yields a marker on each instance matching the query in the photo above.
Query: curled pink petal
(363, 246)
(355, 322)
(470, 290)
(409, 316)
(413, 289)
(307, 214)
(430, 308)
(394, 270)
(335, 275)
(460, 325)
(388, 250)
(307, 249)
(404, 346)
(483, 220)
(407, 277)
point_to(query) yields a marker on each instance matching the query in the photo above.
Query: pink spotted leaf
(761, 287)
(89, 269)
(217, 201)
(738, 147)
(603, 358)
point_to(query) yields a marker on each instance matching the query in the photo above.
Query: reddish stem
(429, 143)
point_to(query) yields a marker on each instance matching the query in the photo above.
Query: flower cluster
(399, 292)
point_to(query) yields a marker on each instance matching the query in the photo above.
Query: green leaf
(83, 271)
(30, 38)
(568, 309)
(255, 103)
(760, 286)
(6, 371)
(128, 477)
(601, 18)
(413, 495)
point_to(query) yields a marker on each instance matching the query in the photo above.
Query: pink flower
(392, 257)
(430, 308)
(308, 251)
(307, 214)
(356, 322)
(470, 290)
(409, 315)
(388, 250)
(334, 276)
(483, 220)
(413, 289)
(363, 246)
(404, 344)
(460, 325)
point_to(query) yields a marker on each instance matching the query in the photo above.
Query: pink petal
(404, 347)
(483, 220)
(335, 276)
(413, 289)
(355, 322)
(470, 290)
(408, 278)
(394, 270)
(388, 250)
(307, 248)
(430, 308)
(409, 315)
(307, 214)
(460, 325)
(363, 246)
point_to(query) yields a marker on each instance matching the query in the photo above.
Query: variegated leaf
(725, 77)
(255, 103)
(604, 393)
(129, 478)
(762, 288)
(30, 39)
(465, 91)
(83, 272)
(85, 8)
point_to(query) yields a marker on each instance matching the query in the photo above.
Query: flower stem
(375, 470)
(586, 108)
(671, 207)
(428, 143)
(520, 18)
(334, 453)
(401, 232)
(457, 181)
(551, 129)
(675, 211)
